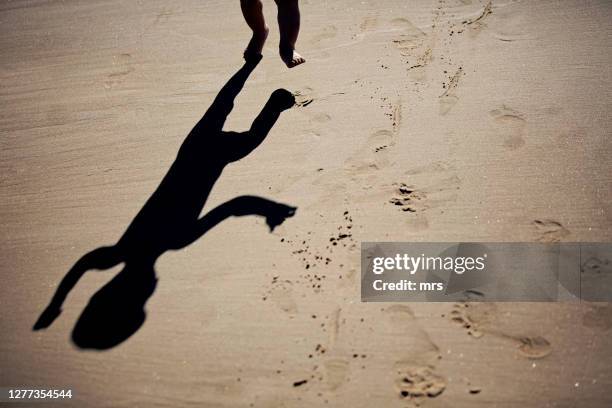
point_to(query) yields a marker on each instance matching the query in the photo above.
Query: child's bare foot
(256, 44)
(290, 56)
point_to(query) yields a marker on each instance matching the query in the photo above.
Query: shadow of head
(116, 311)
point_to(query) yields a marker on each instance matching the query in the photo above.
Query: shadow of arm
(223, 104)
(274, 212)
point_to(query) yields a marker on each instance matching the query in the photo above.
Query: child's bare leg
(289, 26)
(252, 10)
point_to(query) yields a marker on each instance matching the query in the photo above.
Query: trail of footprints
(416, 377)
(414, 382)
(418, 48)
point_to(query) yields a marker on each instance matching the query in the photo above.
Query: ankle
(286, 47)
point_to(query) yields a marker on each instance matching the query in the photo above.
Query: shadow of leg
(239, 145)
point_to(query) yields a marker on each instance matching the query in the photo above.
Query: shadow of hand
(279, 215)
(47, 317)
(275, 213)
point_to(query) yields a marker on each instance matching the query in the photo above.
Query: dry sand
(496, 115)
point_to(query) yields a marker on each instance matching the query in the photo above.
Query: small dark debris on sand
(299, 383)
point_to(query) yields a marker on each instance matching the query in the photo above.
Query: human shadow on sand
(170, 220)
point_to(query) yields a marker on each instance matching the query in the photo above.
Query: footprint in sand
(453, 82)
(302, 101)
(400, 314)
(422, 59)
(596, 265)
(336, 372)
(403, 323)
(549, 230)
(395, 116)
(327, 33)
(596, 274)
(414, 47)
(418, 383)
(281, 294)
(368, 24)
(446, 103)
(408, 199)
(393, 110)
(449, 98)
(122, 66)
(417, 201)
(304, 97)
(406, 25)
(409, 44)
(511, 127)
(411, 38)
(478, 319)
(380, 140)
(473, 317)
(510, 25)
(598, 317)
(534, 347)
(477, 23)
(321, 117)
(415, 376)
(373, 154)
(435, 167)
